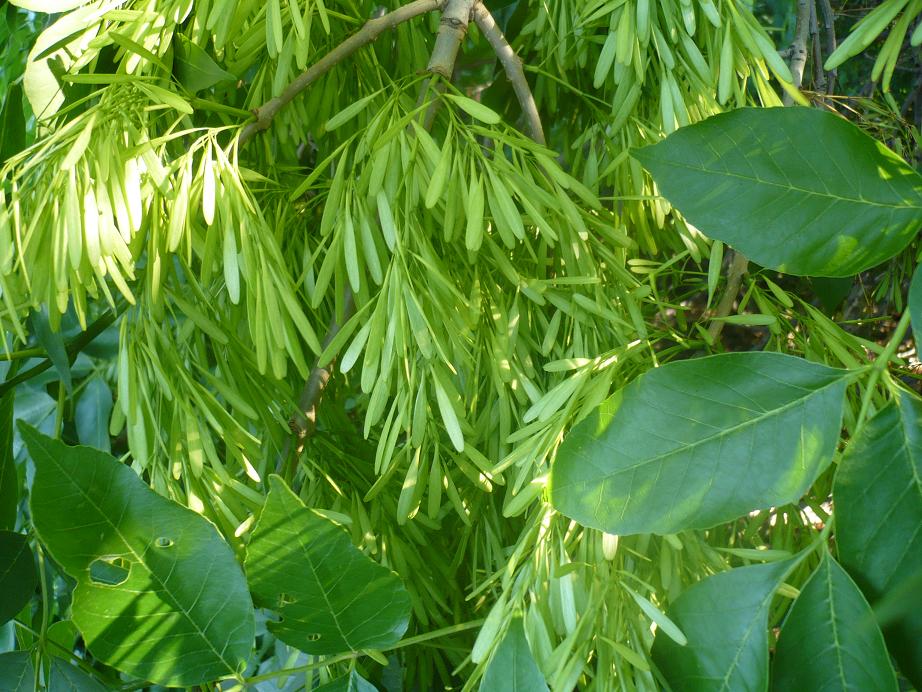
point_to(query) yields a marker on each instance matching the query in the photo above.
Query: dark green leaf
(69, 678)
(330, 596)
(16, 672)
(915, 304)
(195, 69)
(92, 512)
(725, 618)
(878, 496)
(698, 442)
(799, 190)
(832, 291)
(12, 124)
(18, 577)
(349, 683)
(92, 417)
(9, 479)
(53, 343)
(830, 640)
(513, 667)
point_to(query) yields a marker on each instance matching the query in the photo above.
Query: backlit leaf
(725, 618)
(331, 597)
(799, 190)
(878, 496)
(698, 442)
(195, 69)
(830, 640)
(66, 677)
(159, 594)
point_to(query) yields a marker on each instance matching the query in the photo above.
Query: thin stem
(829, 28)
(24, 354)
(367, 34)
(739, 264)
(514, 70)
(410, 641)
(878, 368)
(74, 346)
(304, 422)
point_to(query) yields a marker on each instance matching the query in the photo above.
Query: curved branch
(367, 34)
(513, 67)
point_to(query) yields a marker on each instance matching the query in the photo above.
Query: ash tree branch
(512, 64)
(799, 47)
(456, 15)
(367, 34)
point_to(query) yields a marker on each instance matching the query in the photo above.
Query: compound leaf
(330, 596)
(799, 190)
(159, 594)
(698, 442)
(830, 639)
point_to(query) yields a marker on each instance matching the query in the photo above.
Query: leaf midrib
(139, 559)
(718, 435)
(795, 188)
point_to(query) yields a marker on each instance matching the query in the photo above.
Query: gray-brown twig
(456, 14)
(738, 266)
(367, 34)
(513, 67)
(799, 47)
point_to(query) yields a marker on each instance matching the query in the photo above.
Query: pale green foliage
(471, 294)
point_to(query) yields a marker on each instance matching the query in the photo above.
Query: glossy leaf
(725, 618)
(513, 667)
(17, 673)
(698, 442)
(830, 640)
(878, 497)
(159, 594)
(331, 597)
(93, 411)
(799, 190)
(195, 69)
(348, 683)
(915, 304)
(18, 577)
(9, 479)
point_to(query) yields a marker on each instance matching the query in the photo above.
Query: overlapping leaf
(159, 594)
(331, 597)
(878, 496)
(830, 639)
(796, 189)
(9, 479)
(18, 577)
(725, 619)
(17, 674)
(513, 667)
(701, 441)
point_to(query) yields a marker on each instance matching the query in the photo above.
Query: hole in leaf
(163, 542)
(109, 571)
(313, 637)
